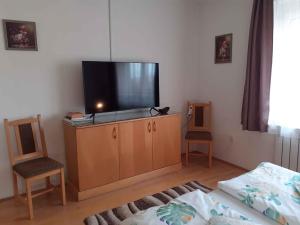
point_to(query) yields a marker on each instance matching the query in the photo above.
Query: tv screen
(116, 86)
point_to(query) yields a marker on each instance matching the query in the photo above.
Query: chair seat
(36, 167)
(198, 135)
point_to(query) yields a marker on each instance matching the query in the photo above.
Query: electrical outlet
(190, 111)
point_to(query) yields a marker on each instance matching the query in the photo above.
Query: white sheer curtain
(285, 83)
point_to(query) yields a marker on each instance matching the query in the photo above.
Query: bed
(270, 190)
(267, 195)
(240, 207)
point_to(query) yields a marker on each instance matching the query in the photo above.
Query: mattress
(240, 207)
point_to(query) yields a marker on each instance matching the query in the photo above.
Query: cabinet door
(135, 147)
(98, 157)
(166, 141)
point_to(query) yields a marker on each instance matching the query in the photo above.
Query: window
(285, 82)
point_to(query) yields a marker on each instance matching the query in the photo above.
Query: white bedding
(194, 208)
(269, 189)
(236, 204)
(268, 195)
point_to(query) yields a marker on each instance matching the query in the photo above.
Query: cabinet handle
(114, 133)
(154, 126)
(149, 127)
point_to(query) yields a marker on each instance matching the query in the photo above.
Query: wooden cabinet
(98, 157)
(166, 141)
(135, 147)
(105, 157)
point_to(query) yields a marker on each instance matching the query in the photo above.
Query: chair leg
(15, 184)
(186, 153)
(29, 199)
(48, 182)
(210, 151)
(62, 185)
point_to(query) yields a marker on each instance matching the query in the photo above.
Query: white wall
(153, 30)
(69, 31)
(223, 84)
(178, 34)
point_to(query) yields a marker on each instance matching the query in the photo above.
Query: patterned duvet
(195, 208)
(269, 189)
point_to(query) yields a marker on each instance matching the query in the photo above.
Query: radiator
(287, 153)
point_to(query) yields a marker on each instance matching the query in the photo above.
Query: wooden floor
(48, 211)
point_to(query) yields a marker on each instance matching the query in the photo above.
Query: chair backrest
(29, 139)
(200, 119)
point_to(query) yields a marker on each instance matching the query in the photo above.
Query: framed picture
(20, 35)
(223, 48)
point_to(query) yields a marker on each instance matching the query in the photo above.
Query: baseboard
(36, 186)
(229, 163)
(223, 161)
(6, 199)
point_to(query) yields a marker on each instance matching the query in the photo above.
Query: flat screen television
(117, 86)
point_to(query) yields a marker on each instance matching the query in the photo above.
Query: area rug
(116, 215)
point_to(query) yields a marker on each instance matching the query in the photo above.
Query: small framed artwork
(20, 35)
(223, 48)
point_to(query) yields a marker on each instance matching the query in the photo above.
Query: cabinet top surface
(115, 118)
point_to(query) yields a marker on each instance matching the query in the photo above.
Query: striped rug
(116, 215)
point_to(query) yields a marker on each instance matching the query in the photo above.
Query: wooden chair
(29, 159)
(199, 130)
